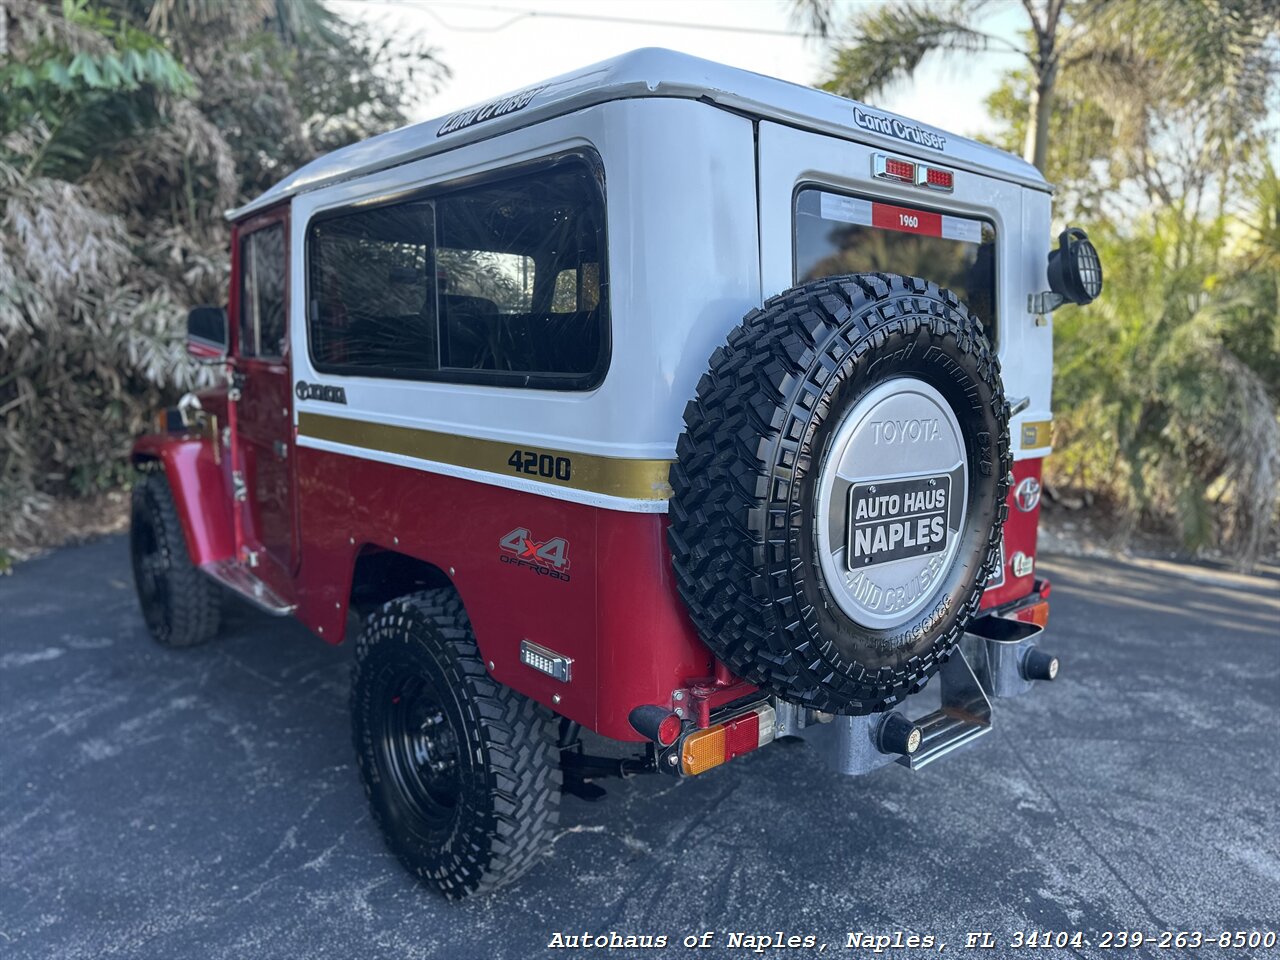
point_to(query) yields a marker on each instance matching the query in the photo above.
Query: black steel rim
(420, 749)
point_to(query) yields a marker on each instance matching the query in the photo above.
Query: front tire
(462, 773)
(181, 606)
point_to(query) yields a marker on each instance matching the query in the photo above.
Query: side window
(371, 291)
(496, 283)
(262, 293)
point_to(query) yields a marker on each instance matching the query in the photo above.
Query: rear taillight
(721, 742)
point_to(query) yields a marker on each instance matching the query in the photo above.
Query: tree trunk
(1036, 149)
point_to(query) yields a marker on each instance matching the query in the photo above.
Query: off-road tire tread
(519, 743)
(743, 455)
(195, 602)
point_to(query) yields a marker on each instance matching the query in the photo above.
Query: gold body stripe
(1037, 433)
(613, 476)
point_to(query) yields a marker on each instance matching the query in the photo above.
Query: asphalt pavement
(204, 803)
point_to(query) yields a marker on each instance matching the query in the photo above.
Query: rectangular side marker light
(546, 661)
(720, 743)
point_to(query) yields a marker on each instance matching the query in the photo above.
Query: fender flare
(200, 491)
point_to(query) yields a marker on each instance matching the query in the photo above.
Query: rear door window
(838, 234)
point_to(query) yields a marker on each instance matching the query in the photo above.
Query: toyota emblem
(1027, 496)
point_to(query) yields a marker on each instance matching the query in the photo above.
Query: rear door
(825, 211)
(264, 417)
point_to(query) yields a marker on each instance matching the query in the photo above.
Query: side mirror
(1075, 272)
(207, 336)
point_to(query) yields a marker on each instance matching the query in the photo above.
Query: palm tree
(1127, 54)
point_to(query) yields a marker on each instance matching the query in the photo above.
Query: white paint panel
(683, 270)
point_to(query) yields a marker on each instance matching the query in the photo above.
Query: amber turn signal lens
(703, 750)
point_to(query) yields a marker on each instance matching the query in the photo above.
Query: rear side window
(262, 292)
(500, 282)
(838, 234)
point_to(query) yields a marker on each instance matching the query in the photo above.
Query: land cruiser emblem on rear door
(893, 127)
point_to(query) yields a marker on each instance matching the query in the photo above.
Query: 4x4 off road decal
(893, 519)
(548, 558)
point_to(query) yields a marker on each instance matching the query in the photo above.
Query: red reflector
(900, 169)
(669, 730)
(741, 735)
(940, 178)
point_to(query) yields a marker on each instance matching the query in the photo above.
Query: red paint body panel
(200, 491)
(1020, 531)
(615, 610)
(625, 628)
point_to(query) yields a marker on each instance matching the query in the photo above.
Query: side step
(237, 578)
(965, 715)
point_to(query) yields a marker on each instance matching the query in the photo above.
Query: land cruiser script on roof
(675, 409)
(489, 111)
(893, 127)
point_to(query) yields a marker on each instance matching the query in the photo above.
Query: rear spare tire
(840, 488)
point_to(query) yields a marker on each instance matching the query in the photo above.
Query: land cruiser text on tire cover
(841, 488)
(453, 365)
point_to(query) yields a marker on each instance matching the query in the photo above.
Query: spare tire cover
(839, 490)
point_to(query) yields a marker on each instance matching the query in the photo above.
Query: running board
(964, 716)
(237, 578)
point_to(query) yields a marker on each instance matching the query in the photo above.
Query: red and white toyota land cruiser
(661, 399)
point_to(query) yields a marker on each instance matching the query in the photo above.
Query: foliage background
(127, 128)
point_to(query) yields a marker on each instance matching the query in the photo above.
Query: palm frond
(890, 42)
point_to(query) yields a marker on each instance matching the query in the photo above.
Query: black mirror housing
(208, 336)
(1075, 270)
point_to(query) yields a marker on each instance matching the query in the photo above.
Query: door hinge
(241, 490)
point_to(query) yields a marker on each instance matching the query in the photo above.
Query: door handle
(282, 449)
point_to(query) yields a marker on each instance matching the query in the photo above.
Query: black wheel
(181, 606)
(840, 490)
(462, 773)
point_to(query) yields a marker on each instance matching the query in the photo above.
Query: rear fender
(200, 491)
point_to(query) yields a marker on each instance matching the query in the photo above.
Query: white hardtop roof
(654, 72)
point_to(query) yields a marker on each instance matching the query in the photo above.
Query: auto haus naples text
(778, 941)
(897, 519)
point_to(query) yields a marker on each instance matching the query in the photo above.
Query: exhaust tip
(1038, 665)
(899, 735)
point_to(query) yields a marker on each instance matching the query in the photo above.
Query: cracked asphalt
(204, 803)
